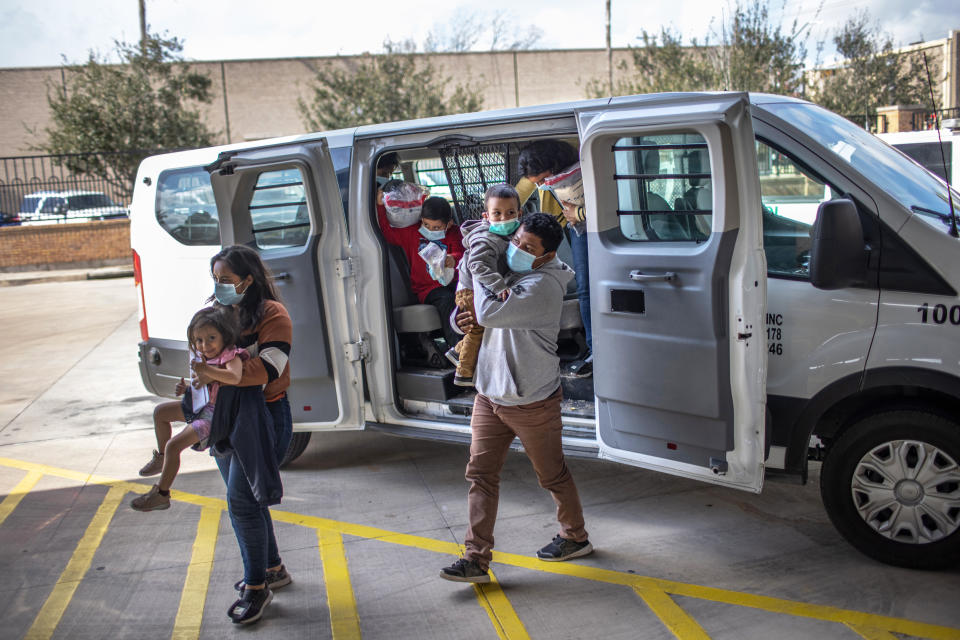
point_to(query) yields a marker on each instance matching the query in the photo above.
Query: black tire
(918, 440)
(298, 442)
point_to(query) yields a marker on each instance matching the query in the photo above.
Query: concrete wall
(261, 95)
(54, 246)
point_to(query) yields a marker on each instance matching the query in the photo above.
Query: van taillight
(138, 283)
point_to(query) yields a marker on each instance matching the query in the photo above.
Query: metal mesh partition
(470, 170)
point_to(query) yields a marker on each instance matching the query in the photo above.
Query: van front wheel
(891, 486)
(298, 442)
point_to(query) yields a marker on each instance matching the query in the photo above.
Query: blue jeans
(578, 246)
(252, 523)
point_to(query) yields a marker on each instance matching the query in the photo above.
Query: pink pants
(538, 425)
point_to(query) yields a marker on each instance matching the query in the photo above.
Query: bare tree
(469, 30)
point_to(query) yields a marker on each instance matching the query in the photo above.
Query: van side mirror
(838, 258)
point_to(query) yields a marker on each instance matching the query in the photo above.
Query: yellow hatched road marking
(344, 621)
(498, 607)
(671, 614)
(16, 495)
(851, 618)
(49, 617)
(194, 594)
(872, 634)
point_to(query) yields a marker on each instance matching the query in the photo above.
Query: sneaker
(151, 500)
(464, 570)
(275, 579)
(250, 606)
(153, 467)
(453, 356)
(463, 381)
(564, 549)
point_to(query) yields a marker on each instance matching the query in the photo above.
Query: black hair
(388, 160)
(220, 317)
(244, 261)
(546, 155)
(501, 191)
(544, 227)
(436, 208)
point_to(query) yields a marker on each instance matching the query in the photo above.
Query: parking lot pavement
(368, 520)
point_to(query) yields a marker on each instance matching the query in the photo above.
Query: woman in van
(242, 280)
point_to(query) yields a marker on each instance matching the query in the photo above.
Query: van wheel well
(836, 420)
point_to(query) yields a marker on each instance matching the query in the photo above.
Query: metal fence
(925, 120)
(67, 188)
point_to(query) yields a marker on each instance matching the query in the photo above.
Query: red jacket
(410, 240)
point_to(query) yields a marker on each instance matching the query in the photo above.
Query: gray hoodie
(518, 361)
(483, 257)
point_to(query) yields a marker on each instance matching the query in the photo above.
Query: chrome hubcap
(908, 491)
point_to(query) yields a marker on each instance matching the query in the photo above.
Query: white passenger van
(764, 274)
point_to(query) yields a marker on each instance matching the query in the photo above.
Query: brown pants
(469, 348)
(538, 426)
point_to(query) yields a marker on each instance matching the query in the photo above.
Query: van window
(186, 208)
(430, 174)
(664, 188)
(928, 154)
(791, 196)
(278, 210)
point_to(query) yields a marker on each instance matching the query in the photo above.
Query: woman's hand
(201, 376)
(465, 321)
(570, 212)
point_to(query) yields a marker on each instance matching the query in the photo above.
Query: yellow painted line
(671, 614)
(344, 621)
(49, 617)
(765, 603)
(868, 633)
(505, 620)
(16, 495)
(194, 594)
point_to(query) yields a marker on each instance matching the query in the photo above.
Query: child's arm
(482, 262)
(230, 374)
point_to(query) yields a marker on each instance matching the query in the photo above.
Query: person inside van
(553, 166)
(386, 165)
(436, 226)
(518, 395)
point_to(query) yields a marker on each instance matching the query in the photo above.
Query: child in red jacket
(436, 226)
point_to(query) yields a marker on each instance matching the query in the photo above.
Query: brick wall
(57, 246)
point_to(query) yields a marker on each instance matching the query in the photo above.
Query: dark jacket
(242, 426)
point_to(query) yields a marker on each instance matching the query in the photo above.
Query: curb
(35, 277)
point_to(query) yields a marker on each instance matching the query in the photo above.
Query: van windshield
(910, 184)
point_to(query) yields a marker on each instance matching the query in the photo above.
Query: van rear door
(285, 202)
(678, 285)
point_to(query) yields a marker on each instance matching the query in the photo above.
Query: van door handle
(283, 275)
(638, 276)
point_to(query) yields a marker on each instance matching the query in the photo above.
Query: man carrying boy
(486, 243)
(435, 226)
(518, 394)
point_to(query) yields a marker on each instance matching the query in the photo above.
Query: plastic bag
(436, 257)
(403, 202)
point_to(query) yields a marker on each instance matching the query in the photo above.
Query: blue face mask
(382, 181)
(434, 236)
(519, 260)
(226, 293)
(505, 227)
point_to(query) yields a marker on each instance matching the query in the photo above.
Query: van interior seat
(409, 316)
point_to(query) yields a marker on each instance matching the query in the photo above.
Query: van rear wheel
(298, 442)
(891, 486)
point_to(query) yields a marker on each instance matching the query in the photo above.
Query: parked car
(938, 154)
(68, 206)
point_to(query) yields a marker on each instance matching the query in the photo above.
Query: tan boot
(151, 500)
(153, 467)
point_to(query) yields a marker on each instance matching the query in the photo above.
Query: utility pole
(143, 27)
(609, 51)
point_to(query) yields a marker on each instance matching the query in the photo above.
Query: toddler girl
(212, 336)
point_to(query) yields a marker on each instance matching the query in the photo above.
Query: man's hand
(181, 387)
(465, 321)
(380, 196)
(570, 212)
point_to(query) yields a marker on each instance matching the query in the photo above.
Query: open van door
(284, 201)
(678, 285)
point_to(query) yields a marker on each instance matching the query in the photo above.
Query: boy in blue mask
(436, 226)
(484, 263)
